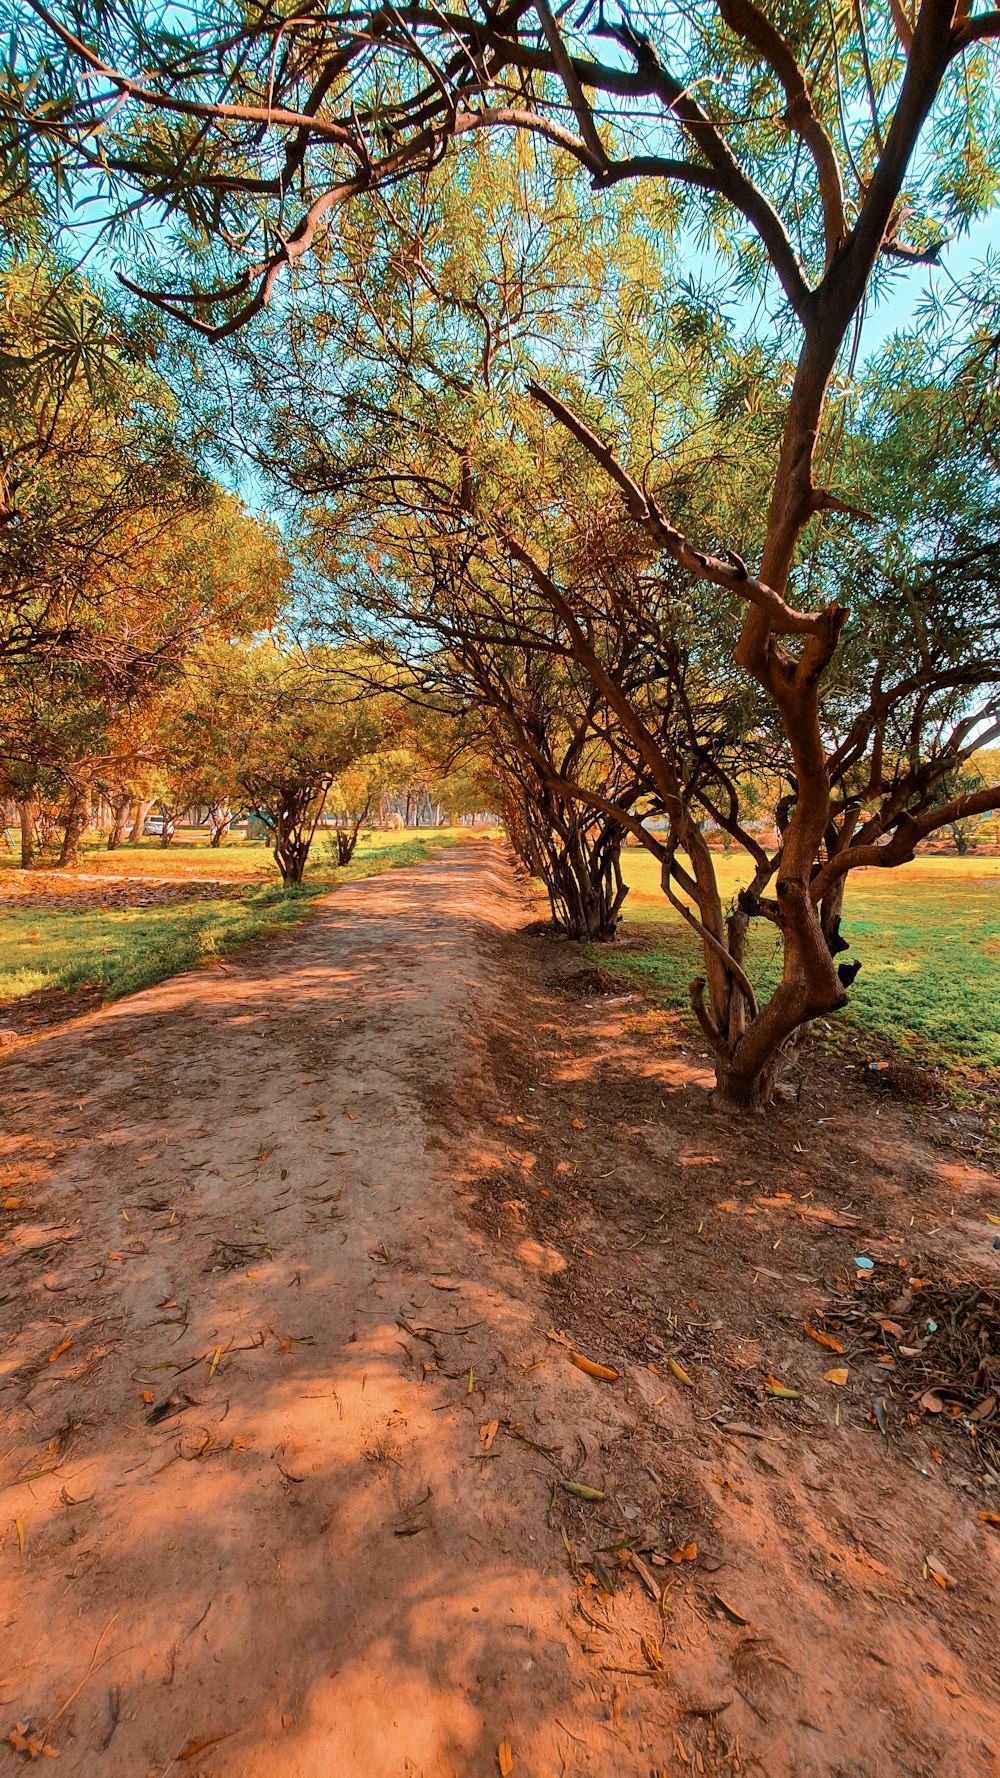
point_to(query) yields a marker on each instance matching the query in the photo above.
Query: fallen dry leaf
(601, 1371)
(63, 1346)
(931, 1402)
(488, 1433)
(35, 1746)
(837, 1219)
(822, 1339)
(644, 1575)
(505, 1759)
(838, 1376)
(193, 1748)
(989, 1518)
(935, 1568)
(780, 1390)
(683, 1552)
(731, 1612)
(678, 1371)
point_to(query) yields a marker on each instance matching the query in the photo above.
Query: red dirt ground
(295, 1252)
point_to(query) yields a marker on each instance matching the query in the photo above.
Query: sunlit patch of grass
(191, 855)
(120, 950)
(927, 936)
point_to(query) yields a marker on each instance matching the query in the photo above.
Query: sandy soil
(295, 1252)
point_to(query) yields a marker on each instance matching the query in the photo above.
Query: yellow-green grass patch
(927, 936)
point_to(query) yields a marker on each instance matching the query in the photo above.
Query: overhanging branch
(731, 574)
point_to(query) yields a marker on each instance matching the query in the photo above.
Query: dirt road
(287, 1438)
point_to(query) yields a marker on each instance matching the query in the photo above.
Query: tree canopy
(546, 333)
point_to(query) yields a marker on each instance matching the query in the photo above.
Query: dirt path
(286, 1437)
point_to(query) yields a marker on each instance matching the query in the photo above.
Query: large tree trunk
(120, 811)
(28, 812)
(749, 1050)
(140, 812)
(291, 853)
(293, 835)
(743, 1092)
(220, 821)
(77, 820)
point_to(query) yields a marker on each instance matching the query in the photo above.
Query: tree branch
(679, 100)
(709, 938)
(976, 29)
(263, 114)
(568, 76)
(906, 837)
(731, 575)
(743, 17)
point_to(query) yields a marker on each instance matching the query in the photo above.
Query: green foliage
(389, 102)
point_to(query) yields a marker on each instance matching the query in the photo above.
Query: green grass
(123, 950)
(927, 935)
(190, 855)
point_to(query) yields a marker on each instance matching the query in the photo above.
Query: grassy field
(120, 950)
(190, 855)
(927, 936)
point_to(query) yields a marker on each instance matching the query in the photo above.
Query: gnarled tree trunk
(220, 820)
(120, 811)
(77, 821)
(28, 814)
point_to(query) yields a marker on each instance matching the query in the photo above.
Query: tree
(820, 150)
(292, 722)
(964, 781)
(498, 538)
(121, 551)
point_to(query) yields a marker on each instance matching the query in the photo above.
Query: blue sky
(899, 302)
